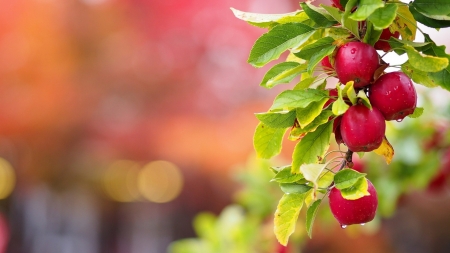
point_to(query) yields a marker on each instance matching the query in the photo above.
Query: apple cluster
(392, 96)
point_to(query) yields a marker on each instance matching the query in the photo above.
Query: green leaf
(301, 17)
(347, 178)
(339, 106)
(309, 50)
(189, 246)
(312, 147)
(350, 24)
(325, 179)
(364, 99)
(405, 23)
(317, 15)
(383, 17)
(435, 9)
(305, 83)
(277, 74)
(317, 57)
(372, 35)
(338, 33)
(312, 172)
(366, 8)
(307, 115)
(434, 23)
(349, 90)
(319, 120)
(417, 113)
(297, 98)
(311, 215)
(419, 77)
(277, 169)
(425, 63)
(267, 140)
(273, 43)
(358, 190)
(335, 13)
(288, 75)
(441, 78)
(294, 188)
(285, 176)
(280, 119)
(261, 20)
(286, 216)
(419, 46)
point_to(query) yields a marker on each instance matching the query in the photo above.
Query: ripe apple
(358, 211)
(362, 129)
(356, 61)
(394, 95)
(382, 43)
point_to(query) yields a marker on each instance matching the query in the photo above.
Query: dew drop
(353, 50)
(362, 224)
(399, 120)
(343, 226)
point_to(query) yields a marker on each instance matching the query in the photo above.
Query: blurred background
(121, 120)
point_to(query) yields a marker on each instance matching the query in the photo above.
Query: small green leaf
(334, 12)
(366, 8)
(261, 20)
(358, 190)
(273, 76)
(277, 169)
(286, 216)
(383, 17)
(425, 63)
(317, 57)
(307, 115)
(281, 119)
(417, 113)
(267, 140)
(350, 24)
(350, 92)
(285, 176)
(281, 38)
(312, 147)
(305, 83)
(420, 46)
(294, 188)
(312, 172)
(441, 78)
(405, 23)
(372, 35)
(311, 215)
(309, 50)
(365, 100)
(319, 120)
(339, 106)
(297, 98)
(347, 178)
(319, 17)
(325, 179)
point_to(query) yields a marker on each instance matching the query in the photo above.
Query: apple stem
(347, 159)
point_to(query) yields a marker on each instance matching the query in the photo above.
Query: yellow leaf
(386, 150)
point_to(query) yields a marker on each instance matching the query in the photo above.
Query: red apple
(362, 129)
(382, 43)
(359, 211)
(394, 95)
(356, 61)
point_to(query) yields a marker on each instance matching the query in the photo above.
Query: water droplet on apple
(353, 50)
(343, 226)
(362, 224)
(399, 120)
